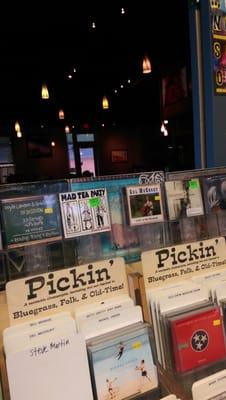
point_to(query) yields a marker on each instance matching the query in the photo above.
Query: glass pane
(71, 153)
(87, 160)
(85, 137)
(5, 151)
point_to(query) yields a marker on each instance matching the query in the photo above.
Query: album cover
(123, 365)
(214, 191)
(184, 198)
(144, 204)
(84, 212)
(165, 327)
(194, 339)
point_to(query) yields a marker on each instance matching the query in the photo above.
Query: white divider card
(220, 291)
(20, 340)
(212, 387)
(211, 281)
(122, 365)
(87, 312)
(110, 321)
(55, 368)
(175, 263)
(66, 289)
(35, 323)
(84, 212)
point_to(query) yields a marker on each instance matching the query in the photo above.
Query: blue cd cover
(123, 366)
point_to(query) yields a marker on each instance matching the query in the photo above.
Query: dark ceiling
(39, 45)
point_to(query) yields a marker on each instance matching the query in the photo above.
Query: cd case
(194, 338)
(144, 204)
(122, 363)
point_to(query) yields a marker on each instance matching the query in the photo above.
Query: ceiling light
(146, 65)
(105, 103)
(93, 25)
(129, 81)
(45, 92)
(17, 126)
(121, 86)
(61, 114)
(122, 10)
(67, 129)
(19, 134)
(69, 76)
(53, 144)
(116, 91)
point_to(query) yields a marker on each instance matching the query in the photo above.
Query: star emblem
(199, 340)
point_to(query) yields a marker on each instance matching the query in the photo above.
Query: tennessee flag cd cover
(194, 339)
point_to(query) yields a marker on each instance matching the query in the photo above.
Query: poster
(218, 14)
(84, 212)
(29, 220)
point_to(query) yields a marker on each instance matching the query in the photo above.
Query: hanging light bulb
(45, 92)
(67, 129)
(19, 134)
(105, 103)
(61, 114)
(17, 126)
(146, 65)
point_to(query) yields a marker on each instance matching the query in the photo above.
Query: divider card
(110, 321)
(56, 368)
(144, 204)
(66, 289)
(85, 212)
(123, 366)
(184, 198)
(212, 387)
(24, 338)
(212, 281)
(87, 312)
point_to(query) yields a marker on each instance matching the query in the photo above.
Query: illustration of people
(148, 207)
(144, 374)
(100, 210)
(72, 223)
(110, 388)
(121, 348)
(87, 217)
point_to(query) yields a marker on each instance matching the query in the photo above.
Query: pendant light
(45, 92)
(61, 114)
(105, 103)
(17, 126)
(146, 65)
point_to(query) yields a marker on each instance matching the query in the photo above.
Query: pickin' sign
(173, 263)
(52, 292)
